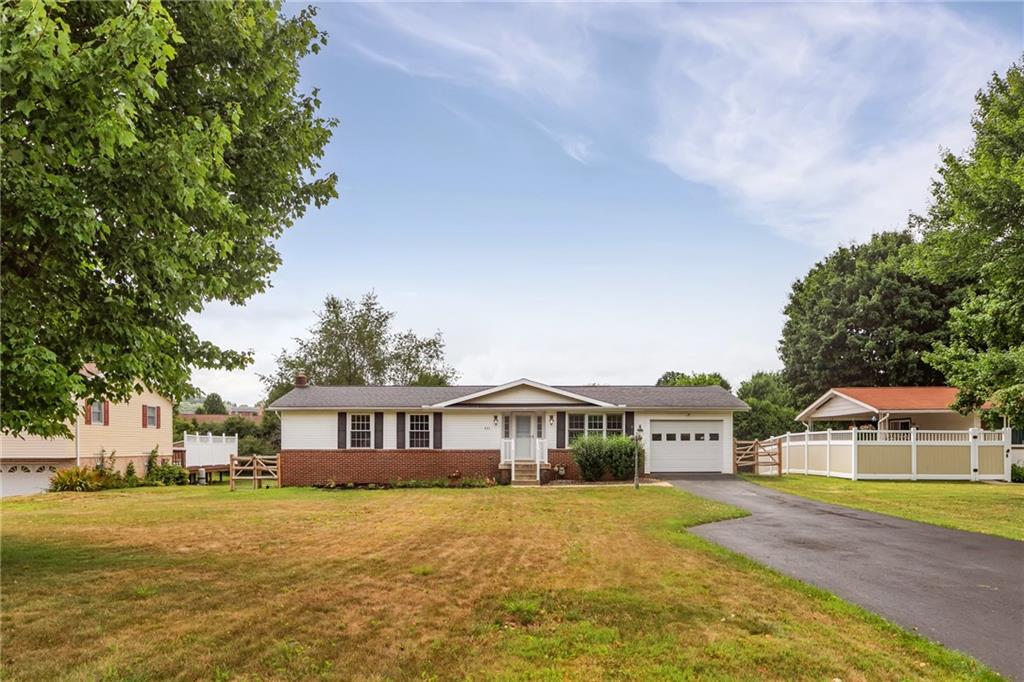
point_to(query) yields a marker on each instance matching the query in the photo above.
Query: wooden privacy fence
(759, 456)
(255, 468)
(915, 454)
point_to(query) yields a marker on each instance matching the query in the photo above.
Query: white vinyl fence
(207, 450)
(968, 455)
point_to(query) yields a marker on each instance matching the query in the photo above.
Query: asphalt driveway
(965, 590)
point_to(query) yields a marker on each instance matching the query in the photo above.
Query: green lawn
(202, 583)
(996, 509)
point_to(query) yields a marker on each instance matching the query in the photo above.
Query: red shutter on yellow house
(158, 416)
(106, 413)
(143, 416)
(88, 412)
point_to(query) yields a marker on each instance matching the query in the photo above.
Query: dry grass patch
(506, 583)
(991, 508)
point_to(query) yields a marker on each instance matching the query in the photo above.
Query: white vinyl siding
(471, 431)
(524, 395)
(312, 430)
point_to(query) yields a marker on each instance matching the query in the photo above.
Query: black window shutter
(378, 430)
(437, 431)
(342, 426)
(629, 423)
(560, 425)
(400, 432)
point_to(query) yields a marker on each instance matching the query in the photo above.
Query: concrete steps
(525, 473)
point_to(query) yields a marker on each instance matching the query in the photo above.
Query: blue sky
(599, 193)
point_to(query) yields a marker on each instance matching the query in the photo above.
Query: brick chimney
(300, 379)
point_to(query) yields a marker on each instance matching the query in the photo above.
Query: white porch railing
(538, 453)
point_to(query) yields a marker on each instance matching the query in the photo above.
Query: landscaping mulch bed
(644, 480)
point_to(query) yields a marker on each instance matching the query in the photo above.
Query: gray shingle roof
(680, 397)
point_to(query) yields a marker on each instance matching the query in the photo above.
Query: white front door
(522, 436)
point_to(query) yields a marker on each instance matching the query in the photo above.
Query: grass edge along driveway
(990, 508)
(495, 583)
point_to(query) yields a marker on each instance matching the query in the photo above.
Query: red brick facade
(322, 467)
(563, 457)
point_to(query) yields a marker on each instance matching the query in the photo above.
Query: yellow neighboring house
(130, 430)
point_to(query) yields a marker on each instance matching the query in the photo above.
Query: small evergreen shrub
(167, 474)
(151, 462)
(597, 455)
(1017, 473)
(131, 478)
(589, 453)
(619, 452)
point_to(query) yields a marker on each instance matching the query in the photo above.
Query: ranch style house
(520, 431)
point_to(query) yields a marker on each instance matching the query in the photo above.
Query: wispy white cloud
(577, 147)
(822, 122)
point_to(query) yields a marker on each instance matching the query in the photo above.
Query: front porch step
(525, 473)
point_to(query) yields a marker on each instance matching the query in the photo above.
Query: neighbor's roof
(903, 397)
(883, 399)
(695, 397)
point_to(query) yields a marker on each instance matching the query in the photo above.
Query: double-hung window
(595, 425)
(151, 417)
(577, 426)
(419, 430)
(96, 412)
(359, 431)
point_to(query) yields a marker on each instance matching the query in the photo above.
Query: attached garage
(686, 445)
(26, 477)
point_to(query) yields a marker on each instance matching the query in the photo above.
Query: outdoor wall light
(551, 420)
(495, 420)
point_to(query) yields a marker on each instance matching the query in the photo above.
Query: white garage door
(26, 478)
(685, 445)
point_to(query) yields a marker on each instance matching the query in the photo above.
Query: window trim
(151, 416)
(368, 430)
(429, 431)
(98, 421)
(587, 431)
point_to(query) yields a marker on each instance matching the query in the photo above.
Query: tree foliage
(975, 230)
(152, 154)
(773, 407)
(261, 437)
(696, 379)
(214, 404)
(858, 319)
(353, 344)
